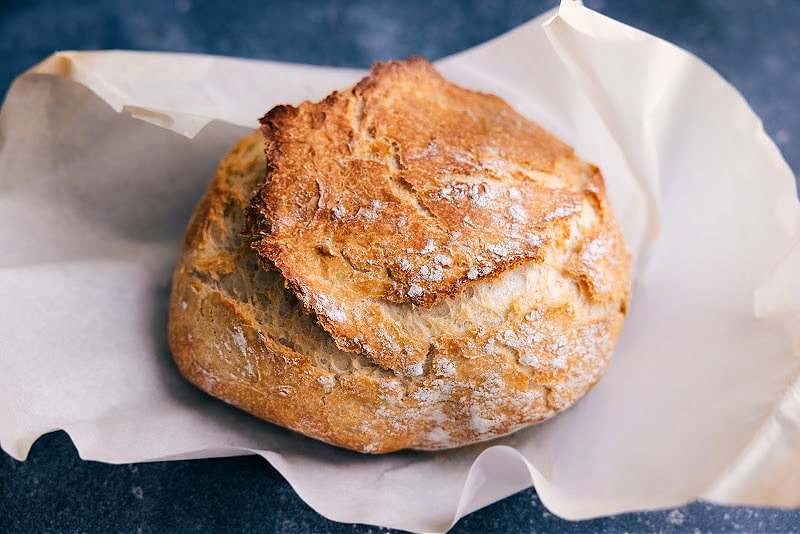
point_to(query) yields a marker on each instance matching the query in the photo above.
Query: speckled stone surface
(754, 44)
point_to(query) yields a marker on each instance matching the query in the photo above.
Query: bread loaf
(412, 265)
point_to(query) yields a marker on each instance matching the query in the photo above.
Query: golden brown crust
(406, 189)
(313, 328)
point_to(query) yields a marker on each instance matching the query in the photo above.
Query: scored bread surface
(417, 267)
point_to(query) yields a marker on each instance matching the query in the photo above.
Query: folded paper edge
(66, 64)
(70, 65)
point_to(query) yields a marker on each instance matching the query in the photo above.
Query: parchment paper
(703, 397)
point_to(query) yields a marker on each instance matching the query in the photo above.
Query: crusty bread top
(396, 195)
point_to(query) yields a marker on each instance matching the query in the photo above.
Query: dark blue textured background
(754, 44)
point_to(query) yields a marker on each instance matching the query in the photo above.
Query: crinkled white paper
(703, 397)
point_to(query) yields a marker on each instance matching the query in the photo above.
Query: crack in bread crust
(508, 348)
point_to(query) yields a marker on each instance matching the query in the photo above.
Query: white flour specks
(414, 370)
(562, 212)
(481, 195)
(431, 274)
(438, 417)
(239, 339)
(339, 212)
(444, 367)
(430, 246)
(472, 274)
(327, 382)
(462, 157)
(441, 259)
(431, 150)
(559, 362)
(327, 307)
(438, 435)
(387, 342)
(595, 250)
(391, 392)
(426, 395)
(477, 422)
(370, 213)
(529, 359)
(518, 213)
(414, 291)
(450, 192)
(534, 315)
(501, 249)
(592, 255)
(336, 315)
(534, 240)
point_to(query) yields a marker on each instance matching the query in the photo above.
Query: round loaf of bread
(412, 265)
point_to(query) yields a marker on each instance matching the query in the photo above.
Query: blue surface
(754, 44)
